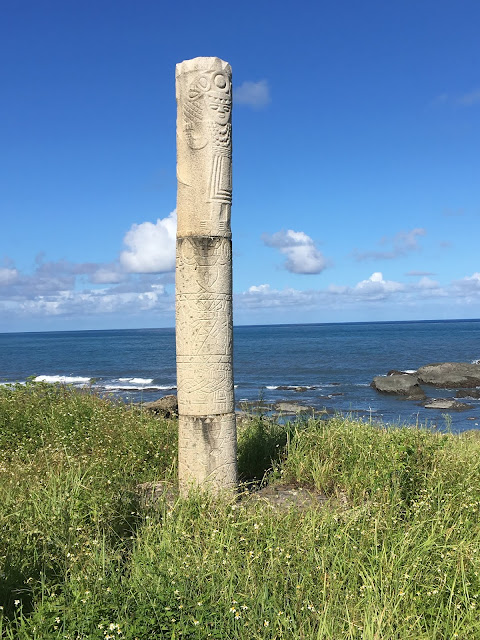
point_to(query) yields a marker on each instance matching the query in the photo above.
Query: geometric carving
(204, 386)
(204, 327)
(204, 265)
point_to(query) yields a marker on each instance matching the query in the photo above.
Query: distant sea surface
(335, 362)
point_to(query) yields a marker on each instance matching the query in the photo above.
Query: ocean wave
(133, 387)
(477, 361)
(136, 380)
(292, 387)
(63, 379)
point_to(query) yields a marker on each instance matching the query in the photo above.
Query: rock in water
(468, 393)
(450, 375)
(446, 405)
(402, 384)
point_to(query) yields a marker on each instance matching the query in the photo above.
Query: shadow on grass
(261, 447)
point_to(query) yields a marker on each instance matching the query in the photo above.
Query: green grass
(395, 553)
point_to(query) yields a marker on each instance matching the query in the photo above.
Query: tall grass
(393, 554)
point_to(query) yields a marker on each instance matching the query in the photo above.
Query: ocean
(332, 364)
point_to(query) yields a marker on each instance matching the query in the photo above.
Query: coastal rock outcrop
(291, 407)
(450, 375)
(403, 384)
(166, 407)
(446, 404)
(468, 393)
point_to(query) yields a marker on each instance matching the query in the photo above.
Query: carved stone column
(206, 405)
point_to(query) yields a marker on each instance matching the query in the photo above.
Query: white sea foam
(476, 361)
(133, 387)
(63, 379)
(410, 371)
(292, 387)
(136, 380)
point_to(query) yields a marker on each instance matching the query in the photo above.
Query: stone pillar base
(207, 452)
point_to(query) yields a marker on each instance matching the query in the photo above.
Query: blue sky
(356, 130)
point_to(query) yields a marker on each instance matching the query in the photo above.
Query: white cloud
(107, 274)
(129, 285)
(95, 302)
(261, 288)
(427, 283)
(371, 291)
(470, 285)
(401, 243)
(8, 275)
(253, 94)
(264, 297)
(300, 250)
(376, 287)
(151, 247)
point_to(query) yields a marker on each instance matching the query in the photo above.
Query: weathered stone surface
(207, 451)
(450, 375)
(395, 372)
(400, 384)
(283, 498)
(446, 404)
(204, 325)
(207, 431)
(165, 407)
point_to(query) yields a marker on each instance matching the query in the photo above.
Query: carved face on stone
(216, 89)
(220, 107)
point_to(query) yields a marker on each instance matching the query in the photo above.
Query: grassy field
(394, 553)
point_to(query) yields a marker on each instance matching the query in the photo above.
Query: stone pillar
(206, 405)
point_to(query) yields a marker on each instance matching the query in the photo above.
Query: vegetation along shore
(387, 545)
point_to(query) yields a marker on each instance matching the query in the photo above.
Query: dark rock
(396, 372)
(468, 393)
(402, 384)
(450, 375)
(167, 407)
(446, 404)
(288, 387)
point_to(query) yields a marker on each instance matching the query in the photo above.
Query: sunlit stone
(207, 431)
